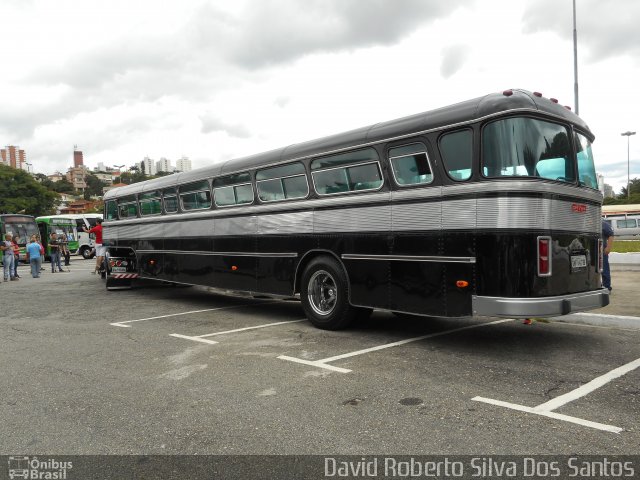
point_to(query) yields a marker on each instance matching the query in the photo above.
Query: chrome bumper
(540, 306)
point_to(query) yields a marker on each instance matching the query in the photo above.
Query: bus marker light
(234, 268)
(507, 93)
(554, 100)
(152, 262)
(462, 284)
(537, 94)
(527, 321)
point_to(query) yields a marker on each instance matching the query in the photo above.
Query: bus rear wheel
(86, 253)
(324, 294)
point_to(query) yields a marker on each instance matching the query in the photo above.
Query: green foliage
(21, 193)
(626, 246)
(94, 186)
(63, 186)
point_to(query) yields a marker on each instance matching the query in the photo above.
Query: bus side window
(232, 190)
(196, 196)
(456, 150)
(347, 172)
(128, 207)
(170, 200)
(150, 203)
(282, 183)
(410, 164)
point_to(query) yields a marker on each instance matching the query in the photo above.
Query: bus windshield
(526, 147)
(22, 226)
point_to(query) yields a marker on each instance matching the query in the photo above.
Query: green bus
(22, 225)
(61, 225)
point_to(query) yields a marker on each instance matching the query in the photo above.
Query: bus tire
(324, 293)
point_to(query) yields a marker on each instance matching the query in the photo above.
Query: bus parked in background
(22, 225)
(71, 226)
(60, 225)
(489, 207)
(625, 219)
(86, 241)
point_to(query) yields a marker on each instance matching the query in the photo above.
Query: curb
(600, 320)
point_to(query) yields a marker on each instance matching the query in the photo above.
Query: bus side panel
(196, 269)
(369, 278)
(235, 272)
(277, 274)
(462, 246)
(415, 286)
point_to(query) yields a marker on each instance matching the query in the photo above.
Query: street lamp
(628, 134)
(29, 165)
(118, 167)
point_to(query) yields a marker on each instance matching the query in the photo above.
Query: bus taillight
(544, 259)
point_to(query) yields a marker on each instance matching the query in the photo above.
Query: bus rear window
(111, 210)
(526, 147)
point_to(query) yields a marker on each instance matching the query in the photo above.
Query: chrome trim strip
(540, 306)
(223, 254)
(410, 258)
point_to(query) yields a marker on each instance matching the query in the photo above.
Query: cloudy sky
(213, 80)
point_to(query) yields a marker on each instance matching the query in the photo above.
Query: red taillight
(537, 94)
(507, 93)
(554, 100)
(544, 258)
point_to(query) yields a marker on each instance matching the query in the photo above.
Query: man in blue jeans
(7, 257)
(607, 242)
(54, 248)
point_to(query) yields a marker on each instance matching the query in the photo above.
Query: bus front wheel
(86, 253)
(324, 293)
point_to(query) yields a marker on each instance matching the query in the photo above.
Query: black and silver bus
(489, 207)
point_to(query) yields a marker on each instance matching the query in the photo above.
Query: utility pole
(575, 60)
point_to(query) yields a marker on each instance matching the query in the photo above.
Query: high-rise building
(77, 176)
(13, 156)
(164, 165)
(183, 164)
(77, 157)
(147, 166)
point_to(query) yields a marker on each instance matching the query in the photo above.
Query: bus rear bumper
(540, 306)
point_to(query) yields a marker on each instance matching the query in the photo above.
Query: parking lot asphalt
(168, 370)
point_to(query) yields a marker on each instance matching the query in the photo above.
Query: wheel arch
(307, 258)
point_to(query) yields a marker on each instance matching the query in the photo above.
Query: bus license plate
(578, 262)
(119, 269)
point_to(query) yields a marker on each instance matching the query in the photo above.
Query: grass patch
(625, 246)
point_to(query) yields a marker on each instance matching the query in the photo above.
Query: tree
(21, 193)
(94, 186)
(63, 186)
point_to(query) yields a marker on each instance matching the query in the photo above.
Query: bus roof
(620, 209)
(445, 117)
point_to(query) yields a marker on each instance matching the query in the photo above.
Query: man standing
(97, 230)
(54, 249)
(34, 253)
(7, 258)
(607, 242)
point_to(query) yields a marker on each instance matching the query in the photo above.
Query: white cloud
(219, 80)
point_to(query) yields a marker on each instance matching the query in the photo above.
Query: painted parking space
(361, 343)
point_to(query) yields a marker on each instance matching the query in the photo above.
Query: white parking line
(202, 338)
(545, 409)
(122, 324)
(323, 362)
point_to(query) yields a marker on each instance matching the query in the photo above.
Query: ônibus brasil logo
(38, 469)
